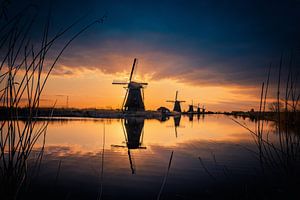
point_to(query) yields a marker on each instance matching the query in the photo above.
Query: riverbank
(75, 112)
(42, 113)
(291, 117)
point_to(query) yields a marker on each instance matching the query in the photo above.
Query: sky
(215, 53)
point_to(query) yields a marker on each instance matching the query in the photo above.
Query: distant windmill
(199, 109)
(191, 108)
(203, 109)
(134, 97)
(177, 107)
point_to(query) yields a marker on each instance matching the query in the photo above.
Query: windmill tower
(134, 97)
(177, 107)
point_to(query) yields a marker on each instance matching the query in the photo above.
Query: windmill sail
(132, 69)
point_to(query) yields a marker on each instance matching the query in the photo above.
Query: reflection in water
(191, 117)
(200, 116)
(17, 165)
(133, 133)
(72, 160)
(176, 123)
(177, 119)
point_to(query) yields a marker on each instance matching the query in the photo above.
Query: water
(213, 157)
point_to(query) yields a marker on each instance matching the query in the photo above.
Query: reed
(165, 177)
(102, 165)
(23, 75)
(280, 159)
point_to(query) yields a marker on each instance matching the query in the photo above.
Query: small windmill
(134, 97)
(199, 109)
(203, 109)
(191, 108)
(177, 107)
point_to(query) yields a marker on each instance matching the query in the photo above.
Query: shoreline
(60, 113)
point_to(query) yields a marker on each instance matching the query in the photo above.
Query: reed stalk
(280, 158)
(23, 75)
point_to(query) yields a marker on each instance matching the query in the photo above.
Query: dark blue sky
(202, 42)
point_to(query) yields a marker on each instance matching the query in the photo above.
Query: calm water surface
(129, 159)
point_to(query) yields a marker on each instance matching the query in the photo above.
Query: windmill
(203, 109)
(191, 108)
(177, 107)
(198, 109)
(134, 97)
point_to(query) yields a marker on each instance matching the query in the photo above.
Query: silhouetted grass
(165, 177)
(23, 75)
(280, 159)
(102, 165)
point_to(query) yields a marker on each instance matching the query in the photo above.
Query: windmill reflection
(191, 117)
(176, 123)
(200, 116)
(133, 129)
(134, 132)
(176, 119)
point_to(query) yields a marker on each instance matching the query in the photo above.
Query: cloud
(63, 71)
(202, 43)
(114, 56)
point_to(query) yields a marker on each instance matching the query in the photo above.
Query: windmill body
(134, 97)
(177, 106)
(134, 100)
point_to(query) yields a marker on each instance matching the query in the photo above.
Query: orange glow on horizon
(94, 89)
